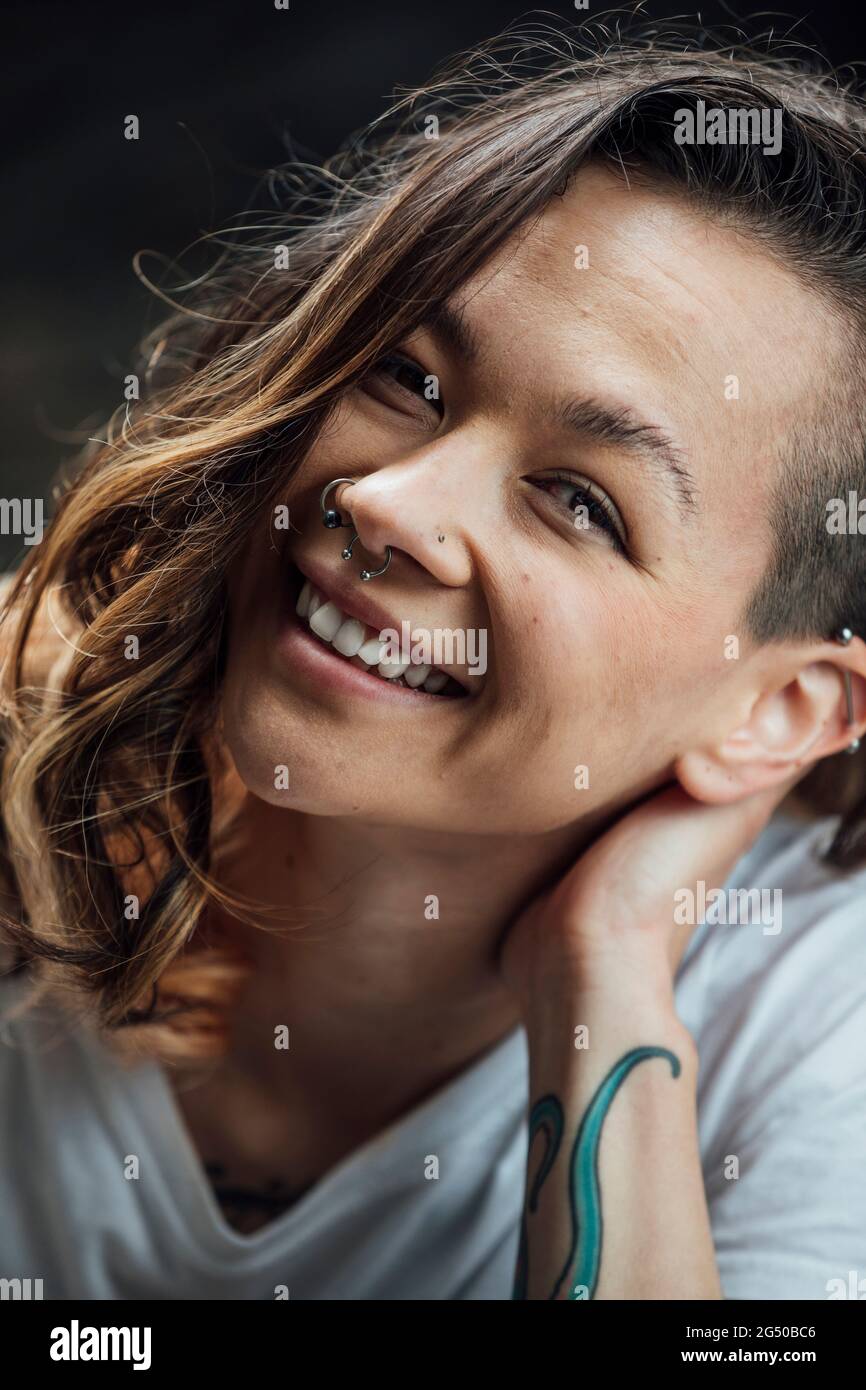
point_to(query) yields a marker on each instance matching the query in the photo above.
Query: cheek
(551, 738)
(595, 700)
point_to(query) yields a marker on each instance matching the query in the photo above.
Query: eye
(591, 509)
(401, 382)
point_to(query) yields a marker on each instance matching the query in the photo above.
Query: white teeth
(346, 635)
(327, 621)
(350, 638)
(417, 675)
(371, 651)
(303, 604)
(390, 670)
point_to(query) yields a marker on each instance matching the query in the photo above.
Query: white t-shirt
(779, 1018)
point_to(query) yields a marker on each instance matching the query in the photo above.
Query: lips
(350, 623)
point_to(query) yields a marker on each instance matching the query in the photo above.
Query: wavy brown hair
(111, 764)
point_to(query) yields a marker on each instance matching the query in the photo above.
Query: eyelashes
(403, 377)
(402, 383)
(597, 510)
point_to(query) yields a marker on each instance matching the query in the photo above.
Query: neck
(382, 947)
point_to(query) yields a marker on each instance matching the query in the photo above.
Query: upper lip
(344, 593)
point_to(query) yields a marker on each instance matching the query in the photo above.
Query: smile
(341, 637)
(357, 642)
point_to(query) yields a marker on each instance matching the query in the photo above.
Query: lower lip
(309, 657)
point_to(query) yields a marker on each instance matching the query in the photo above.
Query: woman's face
(572, 466)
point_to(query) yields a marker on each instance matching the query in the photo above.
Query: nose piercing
(367, 574)
(332, 519)
(330, 516)
(373, 574)
(843, 636)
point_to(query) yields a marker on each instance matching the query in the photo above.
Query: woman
(400, 678)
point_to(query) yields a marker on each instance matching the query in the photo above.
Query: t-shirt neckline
(496, 1075)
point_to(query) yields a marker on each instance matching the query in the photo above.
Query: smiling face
(590, 490)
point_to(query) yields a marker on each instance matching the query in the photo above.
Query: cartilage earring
(843, 636)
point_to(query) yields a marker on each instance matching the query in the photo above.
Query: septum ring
(332, 519)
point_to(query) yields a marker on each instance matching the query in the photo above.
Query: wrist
(633, 979)
(577, 1013)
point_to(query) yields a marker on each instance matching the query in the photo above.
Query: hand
(611, 917)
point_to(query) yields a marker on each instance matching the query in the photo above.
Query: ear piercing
(843, 637)
(332, 519)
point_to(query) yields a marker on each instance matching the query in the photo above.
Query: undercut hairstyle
(109, 764)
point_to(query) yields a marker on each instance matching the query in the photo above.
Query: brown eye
(395, 376)
(590, 511)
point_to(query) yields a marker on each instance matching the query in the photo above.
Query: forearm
(614, 1171)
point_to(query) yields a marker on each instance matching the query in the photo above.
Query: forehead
(623, 287)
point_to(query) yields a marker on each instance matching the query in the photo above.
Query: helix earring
(843, 637)
(332, 519)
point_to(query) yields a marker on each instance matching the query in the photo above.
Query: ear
(792, 722)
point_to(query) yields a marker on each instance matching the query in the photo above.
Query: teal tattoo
(546, 1116)
(579, 1277)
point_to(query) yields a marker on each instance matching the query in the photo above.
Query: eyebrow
(613, 424)
(618, 425)
(449, 324)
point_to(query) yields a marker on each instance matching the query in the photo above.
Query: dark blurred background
(216, 87)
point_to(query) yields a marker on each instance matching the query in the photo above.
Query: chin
(289, 762)
(277, 757)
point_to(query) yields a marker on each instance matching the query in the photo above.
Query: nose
(420, 507)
